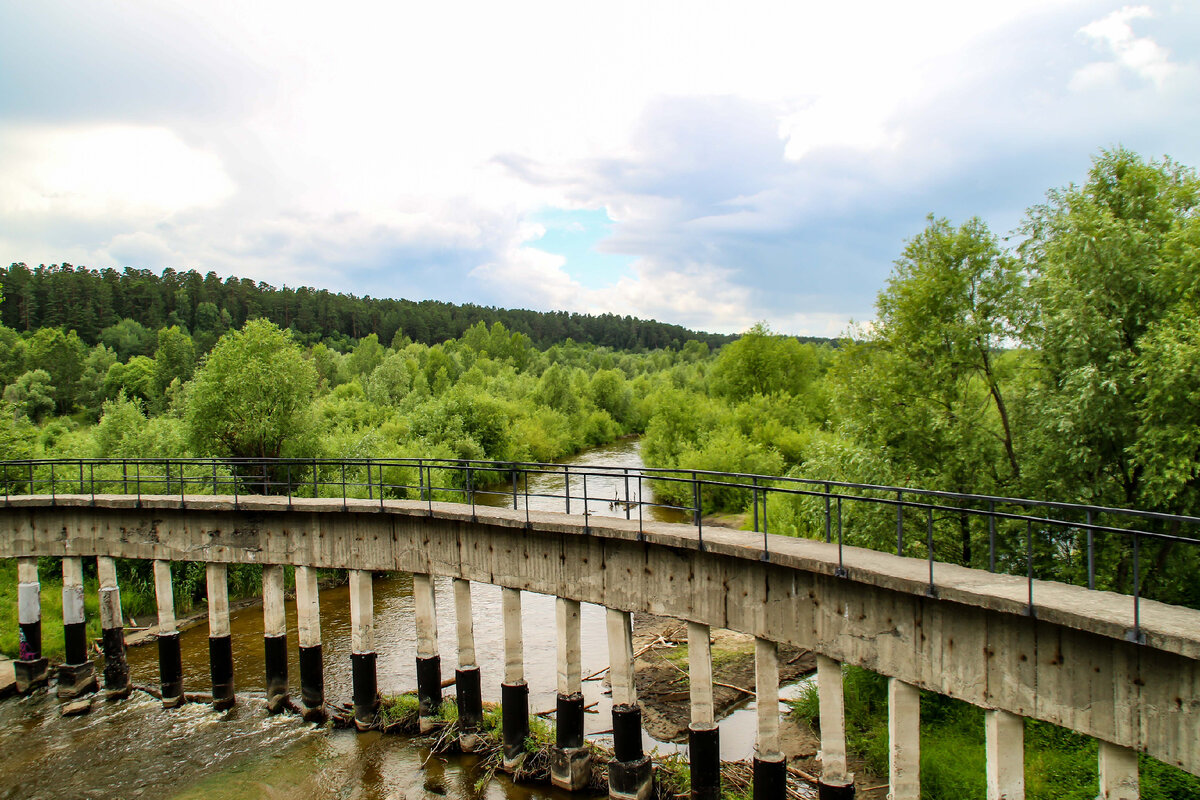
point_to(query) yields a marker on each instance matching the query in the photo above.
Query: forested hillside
(90, 300)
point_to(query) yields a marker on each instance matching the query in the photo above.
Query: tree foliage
(252, 396)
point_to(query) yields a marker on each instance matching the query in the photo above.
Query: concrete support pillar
(904, 741)
(112, 631)
(362, 647)
(1004, 734)
(514, 691)
(704, 737)
(770, 767)
(429, 663)
(30, 669)
(312, 668)
(836, 782)
(170, 664)
(220, 642)
(630, 774)
(78, 675)
(468, 690)
(275, 638)
(1118, 773)
(570, 761)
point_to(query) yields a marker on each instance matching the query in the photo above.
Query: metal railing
(1039, 539)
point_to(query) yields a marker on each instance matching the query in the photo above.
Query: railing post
(567, 486)
(626, 476)
(1137, 589)
(992, 536)
(900, 523)
(755, 492)
(828, 515)
(695, 501)
(1091, 553)
(471, 491)
(1029, 562)
(929, 548)
(841, 569)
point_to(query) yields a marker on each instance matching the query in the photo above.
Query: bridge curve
(1076, 662)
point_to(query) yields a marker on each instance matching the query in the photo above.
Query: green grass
(1059, 764)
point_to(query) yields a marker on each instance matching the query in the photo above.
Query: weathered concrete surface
(1072, 664)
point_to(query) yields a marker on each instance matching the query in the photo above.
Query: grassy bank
(1059, 764)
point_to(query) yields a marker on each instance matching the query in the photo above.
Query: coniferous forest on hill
(1062, 363)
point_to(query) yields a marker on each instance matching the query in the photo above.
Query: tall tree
(253, 396)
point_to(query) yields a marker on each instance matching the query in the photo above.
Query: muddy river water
(135, 749)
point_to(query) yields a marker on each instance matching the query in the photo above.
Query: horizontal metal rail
(1012, 524)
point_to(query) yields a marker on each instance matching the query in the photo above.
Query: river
(134, 749)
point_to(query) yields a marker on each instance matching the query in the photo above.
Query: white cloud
(106, 170)
(1140, 55)
(759, 160)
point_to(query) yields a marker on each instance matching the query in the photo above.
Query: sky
(711, 165)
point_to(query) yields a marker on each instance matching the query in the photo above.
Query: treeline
(90, 300)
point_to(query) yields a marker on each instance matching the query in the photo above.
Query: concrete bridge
(1081, 658)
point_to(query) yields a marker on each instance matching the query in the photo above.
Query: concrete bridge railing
(1073, 662)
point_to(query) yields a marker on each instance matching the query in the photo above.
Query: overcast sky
(709, 165)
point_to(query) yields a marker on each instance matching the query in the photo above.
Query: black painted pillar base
(312, 684)
(366, 690)
(514, 708)
(76, 679)
(469, 697)
(627, 733)
(631, 780)
(116, 668)
(429, 690)
(31, 674)
(570, 761)
(170, 670)
(704, 757)
(220, 667)
(770, 778)
(835, 791)
(275, 658)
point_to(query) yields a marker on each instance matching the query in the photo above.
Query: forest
(1060, 362)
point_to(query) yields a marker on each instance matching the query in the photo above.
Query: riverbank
(661, 674)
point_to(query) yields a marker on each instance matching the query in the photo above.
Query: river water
(135, 749)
